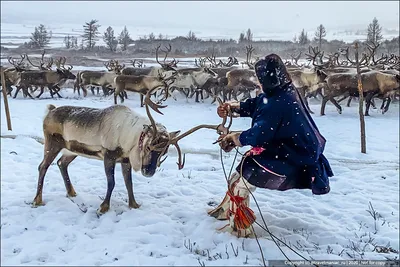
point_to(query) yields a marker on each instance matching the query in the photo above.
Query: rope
(265, 226)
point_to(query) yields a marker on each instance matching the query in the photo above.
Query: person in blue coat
(287, 147)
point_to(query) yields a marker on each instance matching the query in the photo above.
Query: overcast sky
(257, 15)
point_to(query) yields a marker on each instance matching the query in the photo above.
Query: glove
(229, 141)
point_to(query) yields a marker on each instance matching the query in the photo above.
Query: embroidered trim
(258, 151)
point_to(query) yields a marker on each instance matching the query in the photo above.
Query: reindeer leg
(57, 90)
(25, 90)
(121, 96)
(383, 102)
(339, 108)
(115, 97)
(323, 104)
(373, 103)
(83, 90)
(201, 94)
(42, 91)
(52, 147)
(368, 99)
(109, 167)
(141, 100)
(127, 173)
(388, 100)
(16, 91)
(92, 89)
(197, 96)
(63, 163)
(348, 101)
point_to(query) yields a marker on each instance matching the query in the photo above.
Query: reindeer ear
(174, 134)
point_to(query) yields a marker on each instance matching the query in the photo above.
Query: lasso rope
(265, 227)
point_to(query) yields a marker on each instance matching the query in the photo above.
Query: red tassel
(244, 216)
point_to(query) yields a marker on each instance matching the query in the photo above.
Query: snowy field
(13, 33)
(174, 203)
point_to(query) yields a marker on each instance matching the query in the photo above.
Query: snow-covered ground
(14, 33)
(174, 203)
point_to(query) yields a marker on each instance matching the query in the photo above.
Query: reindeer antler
(165, 65)
(220, 128)
(249, 52)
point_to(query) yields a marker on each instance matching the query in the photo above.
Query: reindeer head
(321, 75)
(210, 71)
(153, 145)
(64, 72)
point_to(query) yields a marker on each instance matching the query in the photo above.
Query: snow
(19, 33)
(173, 210)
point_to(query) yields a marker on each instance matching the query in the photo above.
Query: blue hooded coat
(293, 155)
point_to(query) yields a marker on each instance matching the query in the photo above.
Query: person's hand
(229, 141)
(223, 110)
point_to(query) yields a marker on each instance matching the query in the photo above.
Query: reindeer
(193, 80)
(42, 66)
(12, 76)
(50, 79)
(237, 79)
(374, 82)
(139, 84)
(115, 134)
(306, 80)
(386, 96)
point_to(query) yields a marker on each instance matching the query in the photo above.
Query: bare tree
(40, 37)
(124, 39)
(320, 33)
(110, 39)
(303, 38)
(374, 34)
(91, 33)
(160, 36)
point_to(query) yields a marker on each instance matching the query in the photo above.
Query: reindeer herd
(332, 77)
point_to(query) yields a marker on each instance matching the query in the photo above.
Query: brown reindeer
(237, 80)
(374, 82)
(140, 84)
(50, 79)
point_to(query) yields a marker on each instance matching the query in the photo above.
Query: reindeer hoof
(103, 209)
(134, 205)
(36, 203)
(71, 194)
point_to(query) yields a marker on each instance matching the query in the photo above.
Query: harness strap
(141, 138)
